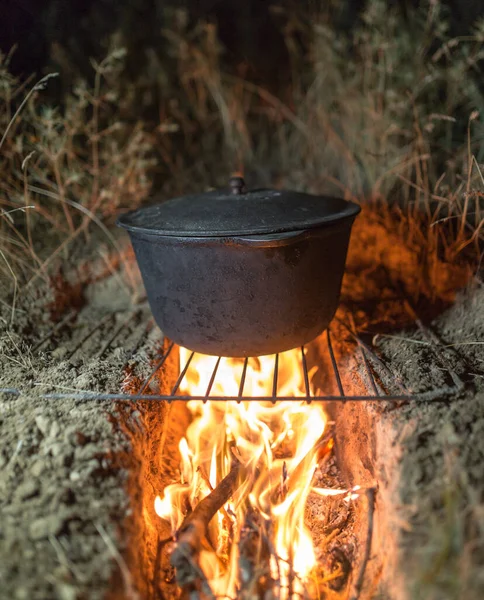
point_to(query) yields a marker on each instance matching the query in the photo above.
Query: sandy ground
(441, 445)
(64, 464)
(425, 457)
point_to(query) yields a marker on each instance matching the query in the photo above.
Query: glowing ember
(277, 446)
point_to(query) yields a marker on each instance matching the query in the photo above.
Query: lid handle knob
(237, 185)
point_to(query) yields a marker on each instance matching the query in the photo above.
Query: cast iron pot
(236, 273)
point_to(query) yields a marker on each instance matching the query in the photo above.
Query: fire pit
(347, 517)
(253, 470)
(241, 274)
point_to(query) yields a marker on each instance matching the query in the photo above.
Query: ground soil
(63, 463)
(425, 457)
(441, 445)
(76, 474)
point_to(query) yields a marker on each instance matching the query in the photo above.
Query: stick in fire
(191, 536)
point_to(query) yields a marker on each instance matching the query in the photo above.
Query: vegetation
(388, 112)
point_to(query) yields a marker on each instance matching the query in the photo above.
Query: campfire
(244, 273)
(242, 404)
(237, 513)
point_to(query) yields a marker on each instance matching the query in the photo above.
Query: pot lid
(235, 211)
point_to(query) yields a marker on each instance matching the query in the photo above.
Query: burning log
(191, 537)
(268, 537)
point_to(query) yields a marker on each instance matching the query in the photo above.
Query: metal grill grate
(375, 393)
(378, 381)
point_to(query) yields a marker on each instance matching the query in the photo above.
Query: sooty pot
(242, 273)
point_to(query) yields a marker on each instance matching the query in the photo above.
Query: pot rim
(133, 222)
(272, 240)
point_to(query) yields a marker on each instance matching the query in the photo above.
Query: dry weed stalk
(85, 158)
(379, 112)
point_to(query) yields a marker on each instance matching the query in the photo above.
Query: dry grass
(386, 113)
(64, 169)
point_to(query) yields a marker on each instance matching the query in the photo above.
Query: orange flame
(275, 445)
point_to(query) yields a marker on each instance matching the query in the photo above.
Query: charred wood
(191, 537)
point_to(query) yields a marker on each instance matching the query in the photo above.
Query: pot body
(244, 296)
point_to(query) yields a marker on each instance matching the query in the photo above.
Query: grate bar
(334, 364)
(118, 330)
(142, 338)
(137, 397)
(181, 376)
(90, 333)
(158, 366)
(212, 379)
(134, 315)
(393, 376)
(369, 372)
(274, 379)
(54, 329)
(242, 379)
(435, 344)
(305, 373)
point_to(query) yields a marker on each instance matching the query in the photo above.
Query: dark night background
(247, 29)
